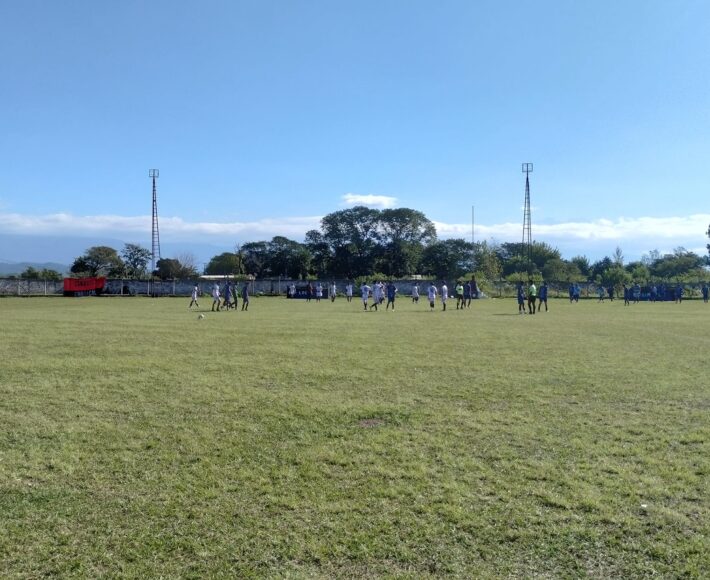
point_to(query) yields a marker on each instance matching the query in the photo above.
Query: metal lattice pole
(526, 248)
(154, 174)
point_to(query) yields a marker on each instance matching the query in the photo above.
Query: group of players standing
(228, 300)
(535, 298)
(380, 291)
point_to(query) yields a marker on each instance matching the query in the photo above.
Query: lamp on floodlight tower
(154, 174)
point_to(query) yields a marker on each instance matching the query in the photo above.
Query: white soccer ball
(200, 317)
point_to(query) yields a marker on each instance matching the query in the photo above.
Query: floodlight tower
(154, 174)
(526, 248)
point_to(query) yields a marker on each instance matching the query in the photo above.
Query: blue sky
(264, 116)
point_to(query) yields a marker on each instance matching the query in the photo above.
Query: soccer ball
(201, 317)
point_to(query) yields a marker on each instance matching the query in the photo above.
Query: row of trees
(397, 243)
(131, 262)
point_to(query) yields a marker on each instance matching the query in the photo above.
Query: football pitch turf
(317, 440)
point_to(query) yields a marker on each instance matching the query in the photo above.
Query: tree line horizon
(362, 242)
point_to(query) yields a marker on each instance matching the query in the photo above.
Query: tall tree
(135, 259)
(226, 263)
(99, 261)
(319, 251)
(582, 263)
(352, 236)
(512, 256)
(173, 269)
(403, 233)
(288, 258)
(486, 261)
(447, 259)
(255, 257)
(598, 268)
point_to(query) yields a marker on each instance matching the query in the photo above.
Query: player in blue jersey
(542, 297)
(521, 298)
(391, 293)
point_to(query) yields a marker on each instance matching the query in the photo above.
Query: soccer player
(195, 292)
(532, 296)
(391, 293)
(365, 290)
(375, 296)
(467, 294)
(444, 294)
(319, 291)
(226, 303)
(332, 292)
(654, 293)
(431, 294)
(235, 295)
(349, 292)
(704, 290)
(600, 292)
(636, 293)
(542, 298)
(245, 296)
(474, 289)
(521, 298)
(678, 294)
(215, 297)
(415, 293)
(459, 295)
(309, 292)
(626, 296)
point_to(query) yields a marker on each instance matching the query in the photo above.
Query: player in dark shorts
(542, 298)
(245, 297)
(521, 298)
(391, 293)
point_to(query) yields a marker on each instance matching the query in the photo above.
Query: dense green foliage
(318, 440)
(31, 273)
(398, 243)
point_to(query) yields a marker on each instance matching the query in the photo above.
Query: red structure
(83, 286)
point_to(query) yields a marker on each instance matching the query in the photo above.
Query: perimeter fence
(278, 287)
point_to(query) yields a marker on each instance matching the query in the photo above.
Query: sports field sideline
(303, 439)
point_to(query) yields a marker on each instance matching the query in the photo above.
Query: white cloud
(382, 201)
(670, 228)
(634, 235)
(170, 227)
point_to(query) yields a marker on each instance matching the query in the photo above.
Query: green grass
(304, 440)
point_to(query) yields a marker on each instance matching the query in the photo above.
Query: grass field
(317, 440)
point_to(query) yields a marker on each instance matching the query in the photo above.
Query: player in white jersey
(444, 295)
(195, 292)
(431, 294)
(365, 289)
(332, 292)
(349, 292)
(215, 297)
(375, 295)
(415, 293)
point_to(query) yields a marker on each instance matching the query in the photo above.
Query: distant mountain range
(15, 268)
(17, 251)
